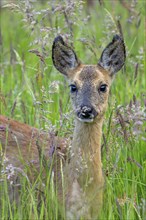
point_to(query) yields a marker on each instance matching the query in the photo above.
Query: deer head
(89, 84)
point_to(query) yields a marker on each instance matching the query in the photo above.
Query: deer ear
(63, 56)
(113, 57)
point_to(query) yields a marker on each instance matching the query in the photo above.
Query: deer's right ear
(63, 56)
(113, 57)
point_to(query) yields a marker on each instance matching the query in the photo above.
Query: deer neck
(86, 152)
(84, 172)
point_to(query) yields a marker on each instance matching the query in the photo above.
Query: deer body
(89, 88)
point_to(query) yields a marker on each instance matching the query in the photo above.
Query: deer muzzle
(86, 114)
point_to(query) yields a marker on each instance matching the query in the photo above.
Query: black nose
(86, 112)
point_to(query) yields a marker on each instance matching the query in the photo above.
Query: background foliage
(32, 91)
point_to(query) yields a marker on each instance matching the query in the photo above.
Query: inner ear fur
(63, 56)
(113, 56)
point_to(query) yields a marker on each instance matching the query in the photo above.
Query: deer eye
(73, 88)
(103, 88)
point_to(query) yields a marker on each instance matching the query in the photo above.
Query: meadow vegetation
(32, 91)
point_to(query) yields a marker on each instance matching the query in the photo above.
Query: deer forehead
(91, 74)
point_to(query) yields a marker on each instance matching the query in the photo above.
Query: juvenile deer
(89, 90)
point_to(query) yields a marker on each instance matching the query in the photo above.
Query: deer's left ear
(63, 56)
(113, 57)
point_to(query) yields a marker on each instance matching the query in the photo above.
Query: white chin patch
(89, 120)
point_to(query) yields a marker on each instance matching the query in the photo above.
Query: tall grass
(33, 92)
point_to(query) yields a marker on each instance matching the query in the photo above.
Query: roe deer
(89, 88)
